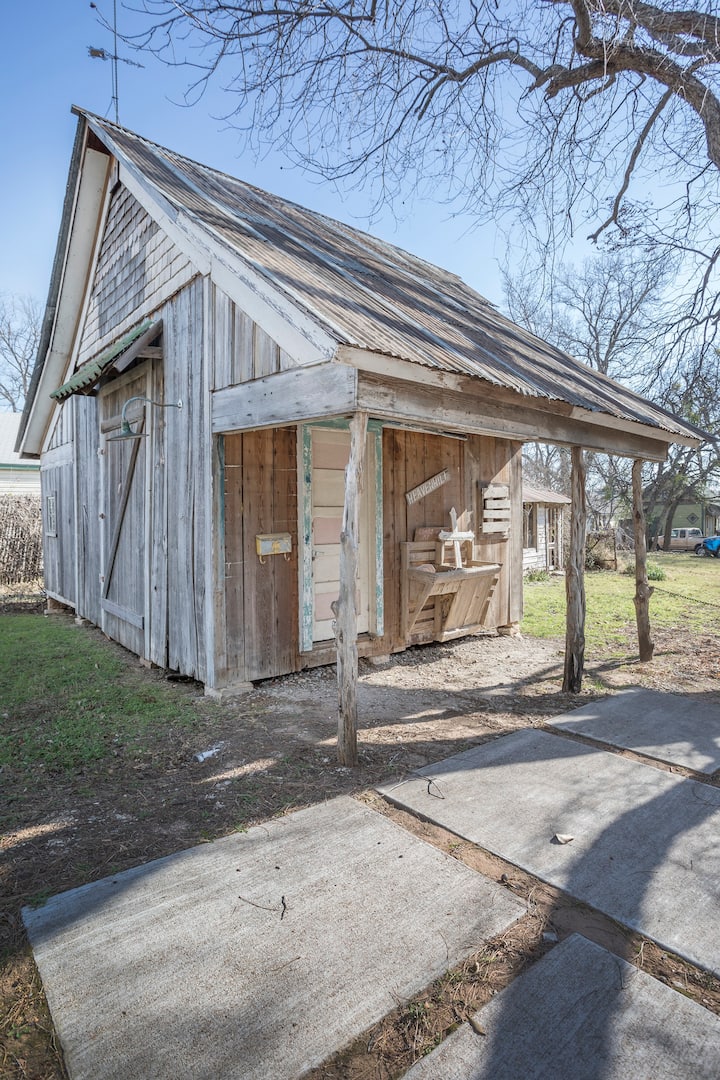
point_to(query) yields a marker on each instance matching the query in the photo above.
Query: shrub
(654, 572)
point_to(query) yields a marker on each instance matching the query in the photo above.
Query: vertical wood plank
(243, 347)
(345, 609)
(261, 600)
(88, 465)
(305, 535)
(575, 579)
(513, 454)
(158, 583)
(201, 464)
(234, 577)
(186, 484)
(222, 349)
(396, 532)
(259, 577)
(643, 591)
(285, 598)
(266, 354)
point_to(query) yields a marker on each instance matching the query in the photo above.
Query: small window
(51, 515)
(529, 525)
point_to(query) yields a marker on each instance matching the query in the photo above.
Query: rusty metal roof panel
(372, 295)
(531, 494)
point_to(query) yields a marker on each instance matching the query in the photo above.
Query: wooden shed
(288, 382)
(544, 528)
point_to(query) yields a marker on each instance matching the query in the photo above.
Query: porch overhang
(473, 405)
(118, 358)
(436, 401)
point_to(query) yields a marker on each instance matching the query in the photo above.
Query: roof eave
(82, 208)
(414, 371)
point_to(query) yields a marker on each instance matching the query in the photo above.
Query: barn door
(124, 517)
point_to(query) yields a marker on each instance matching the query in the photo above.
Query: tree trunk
(671, 511)
(575, 579)
(643, 591)
(344, 607)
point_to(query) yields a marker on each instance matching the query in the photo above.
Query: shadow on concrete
(652, 864)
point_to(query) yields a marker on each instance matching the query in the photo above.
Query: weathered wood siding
(185, 469)
(535, 556)
(260, 484)
(410, 458)
(330, 454)
(138, 269)
(155, 603)
(241, 349)
(88, 510)
(57, 481)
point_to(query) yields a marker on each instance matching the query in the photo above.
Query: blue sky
(45, 68)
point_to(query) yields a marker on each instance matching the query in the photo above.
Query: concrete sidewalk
(263, 954)
(644, 846)
(581, 1014)
(260, 955)
(667, 727)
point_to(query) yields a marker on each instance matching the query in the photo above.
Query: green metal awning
(127, 347)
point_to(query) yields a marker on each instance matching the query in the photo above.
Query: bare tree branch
(20, 321)
(545, 113)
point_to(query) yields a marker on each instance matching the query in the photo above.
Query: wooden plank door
(261, 595)
(330, 454)
(124, 520)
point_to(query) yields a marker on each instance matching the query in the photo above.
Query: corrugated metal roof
(532, 494)
(372, 295)
(88, 374)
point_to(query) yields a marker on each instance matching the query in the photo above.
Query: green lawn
(688, 599)
(67, 700)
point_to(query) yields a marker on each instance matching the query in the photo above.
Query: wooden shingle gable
(281, 315)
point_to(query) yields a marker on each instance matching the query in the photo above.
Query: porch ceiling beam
(475, 413)
(548, 410)
(304, 393)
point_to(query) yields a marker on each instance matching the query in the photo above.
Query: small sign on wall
(431, 484)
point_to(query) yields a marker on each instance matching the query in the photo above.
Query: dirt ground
(276, 753)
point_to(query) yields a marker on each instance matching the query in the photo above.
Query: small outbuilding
(266, 436)
(18, 478)
(544, 527)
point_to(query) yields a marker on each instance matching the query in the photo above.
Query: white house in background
(543, 512)
(17, 477)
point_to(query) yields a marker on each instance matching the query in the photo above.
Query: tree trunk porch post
(345, 606)
(643, 591)
(575, 579)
